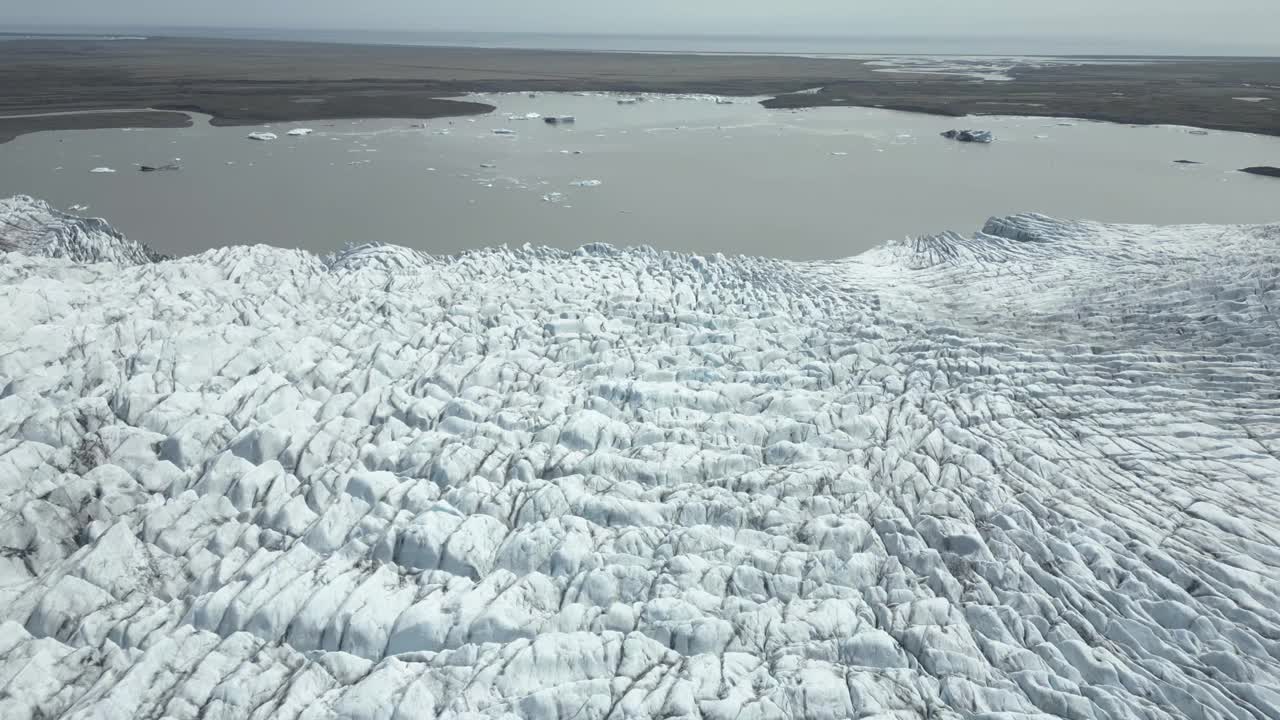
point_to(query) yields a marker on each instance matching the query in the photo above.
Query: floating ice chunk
(78, 208)
(553, 197)
(488, 165)
(628, 101)
(974, 136)
(1263, 170)
(839, 153)
(1198, 132)
(724, 101)
(102, 170)
(586, 183)
(262, 136)
(1253, 99)
(503, 131)
(300, 132)
(532, 116)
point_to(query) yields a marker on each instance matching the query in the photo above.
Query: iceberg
(587, 183)
(262, 136)
(1263, 170)
(102, 170)
(1026, 472)
(974, 136)
(300, 132)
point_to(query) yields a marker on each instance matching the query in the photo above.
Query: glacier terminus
(1022, 474)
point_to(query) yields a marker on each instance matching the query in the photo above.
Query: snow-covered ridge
(1024, 474)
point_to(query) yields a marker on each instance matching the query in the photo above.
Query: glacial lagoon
(691, 173)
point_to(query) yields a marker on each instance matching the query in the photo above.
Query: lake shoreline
(242, 83)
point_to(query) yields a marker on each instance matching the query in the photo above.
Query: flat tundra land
(250, 82)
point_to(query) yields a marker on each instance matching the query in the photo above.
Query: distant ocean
(729, 44)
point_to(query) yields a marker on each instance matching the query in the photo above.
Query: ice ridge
(34, 227)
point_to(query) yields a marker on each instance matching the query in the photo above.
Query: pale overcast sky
(1248, 23)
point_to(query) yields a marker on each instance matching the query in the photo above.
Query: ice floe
(970, 136)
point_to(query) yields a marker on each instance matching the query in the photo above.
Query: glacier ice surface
(1024, 474)
(34, 227)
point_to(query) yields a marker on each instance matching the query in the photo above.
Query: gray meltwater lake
(676, 173)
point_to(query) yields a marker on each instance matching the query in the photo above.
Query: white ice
(1024, 474)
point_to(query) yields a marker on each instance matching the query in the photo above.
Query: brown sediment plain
(241, 82)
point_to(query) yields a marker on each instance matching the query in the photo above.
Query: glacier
(1026, 473)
